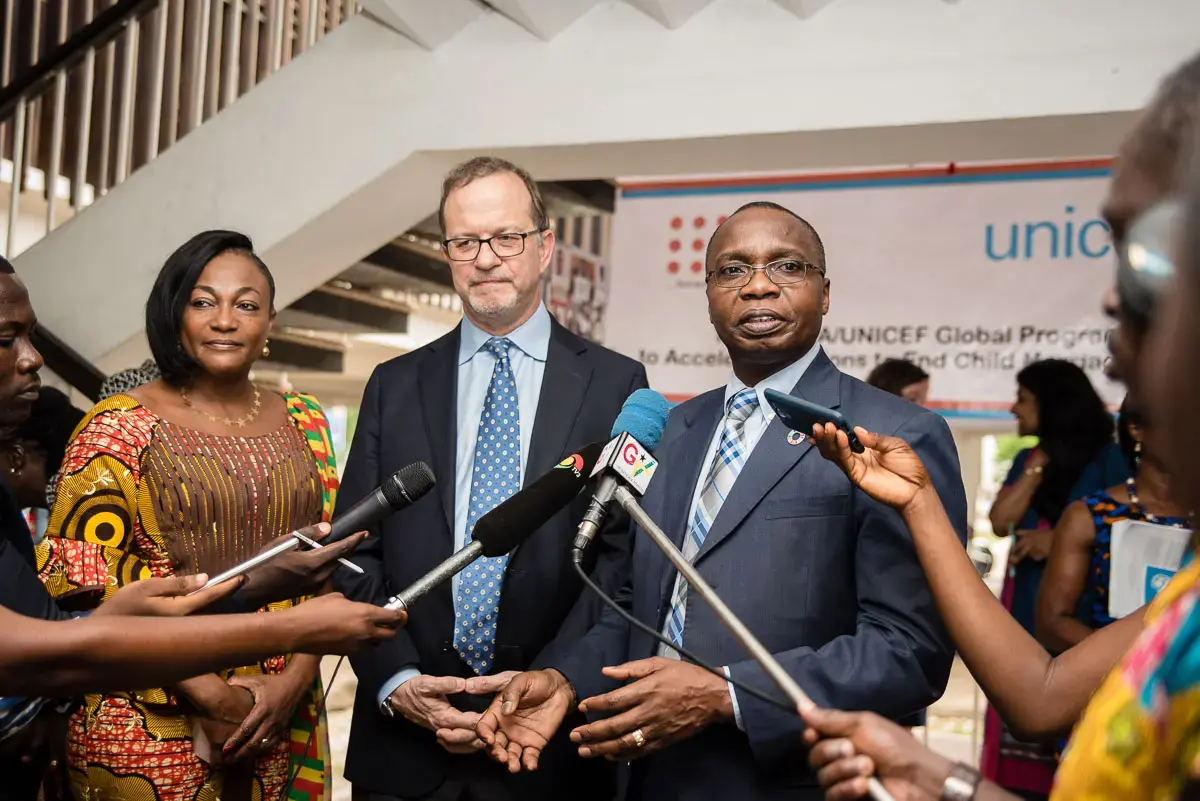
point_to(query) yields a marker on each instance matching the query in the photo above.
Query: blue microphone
(626, 460)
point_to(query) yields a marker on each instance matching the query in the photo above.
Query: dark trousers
(20, 781)
(466, 780)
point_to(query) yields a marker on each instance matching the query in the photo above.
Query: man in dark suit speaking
(825, 577)
(495, 403)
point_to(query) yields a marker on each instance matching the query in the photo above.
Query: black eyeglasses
(505, 246)
(736, 275)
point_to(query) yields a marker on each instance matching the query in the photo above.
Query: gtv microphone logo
(638, 460)
(635, 464)
(574, 463)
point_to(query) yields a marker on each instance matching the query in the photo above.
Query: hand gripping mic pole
(758, 652)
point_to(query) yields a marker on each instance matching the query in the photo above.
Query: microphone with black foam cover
(402, 489)
(626, 460)
(511, 522)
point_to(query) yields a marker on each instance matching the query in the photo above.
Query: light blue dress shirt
(755, 425)
(531, 343)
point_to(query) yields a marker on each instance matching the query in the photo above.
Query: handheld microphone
(511, 522)
(625, 460)
(402, 489)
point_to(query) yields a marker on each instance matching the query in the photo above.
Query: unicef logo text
(1048, 239)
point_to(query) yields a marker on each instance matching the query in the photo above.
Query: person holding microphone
(1135, 739)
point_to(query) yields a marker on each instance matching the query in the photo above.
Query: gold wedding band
(265, 741)
(639, 739)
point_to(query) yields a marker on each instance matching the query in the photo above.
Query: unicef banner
(971, 272)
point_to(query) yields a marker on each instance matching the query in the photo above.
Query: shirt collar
(782, 381)
(532, 337)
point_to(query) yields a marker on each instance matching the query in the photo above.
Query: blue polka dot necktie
(496, 476)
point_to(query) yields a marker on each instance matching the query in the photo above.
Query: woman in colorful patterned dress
(1074, 599)
(195, 472)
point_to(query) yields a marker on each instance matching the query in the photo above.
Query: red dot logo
(697, 267)
(675, 245)
(697, 244)
(677, 223)
(721, 220)
(673, 267)
(698, 222)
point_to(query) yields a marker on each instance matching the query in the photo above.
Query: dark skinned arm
(104, 653)
(1038, 696)
(1066, 575)
(1014, 500)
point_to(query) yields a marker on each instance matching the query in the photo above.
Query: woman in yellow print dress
(195, 472)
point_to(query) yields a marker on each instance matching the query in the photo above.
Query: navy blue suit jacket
(824, 576)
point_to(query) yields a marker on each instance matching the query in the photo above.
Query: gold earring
(266, 351)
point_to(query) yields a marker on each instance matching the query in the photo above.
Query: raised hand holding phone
(801, 415)
(887, 469)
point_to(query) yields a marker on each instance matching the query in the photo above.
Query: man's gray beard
(498, 312)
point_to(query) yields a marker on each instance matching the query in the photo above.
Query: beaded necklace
(1136, 505)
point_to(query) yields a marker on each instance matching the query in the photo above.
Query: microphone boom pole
(758, 652)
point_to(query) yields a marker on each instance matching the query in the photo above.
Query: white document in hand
(1144, 557)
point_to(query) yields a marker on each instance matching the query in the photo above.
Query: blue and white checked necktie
(496, 476)
(728, 462)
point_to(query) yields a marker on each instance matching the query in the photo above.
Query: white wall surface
(343, 149)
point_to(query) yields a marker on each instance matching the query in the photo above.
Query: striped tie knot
(498, 347)
(742, 405)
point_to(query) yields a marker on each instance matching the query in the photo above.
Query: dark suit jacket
(825, 577)
(20, 589)
(408, 414)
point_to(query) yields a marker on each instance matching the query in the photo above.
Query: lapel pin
(795, 438)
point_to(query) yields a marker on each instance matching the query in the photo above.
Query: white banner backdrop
(971, 272)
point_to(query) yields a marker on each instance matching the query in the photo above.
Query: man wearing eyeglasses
(498, 401)
(826, 577)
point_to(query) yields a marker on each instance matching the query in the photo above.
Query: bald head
(818, 245)
(1150, 158)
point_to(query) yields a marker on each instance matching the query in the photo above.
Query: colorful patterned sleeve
(1140, 735)
(94, 537)
(309, 418)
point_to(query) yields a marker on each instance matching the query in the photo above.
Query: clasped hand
(664, 701)
(424, 700)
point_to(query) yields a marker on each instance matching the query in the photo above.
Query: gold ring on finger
(639, 739)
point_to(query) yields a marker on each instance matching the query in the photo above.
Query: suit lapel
(564, 384)
(437, 381)
(683, 468)
(773, 457)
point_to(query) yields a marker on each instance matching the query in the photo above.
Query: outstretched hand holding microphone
(1045, 695)
(105, 652)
